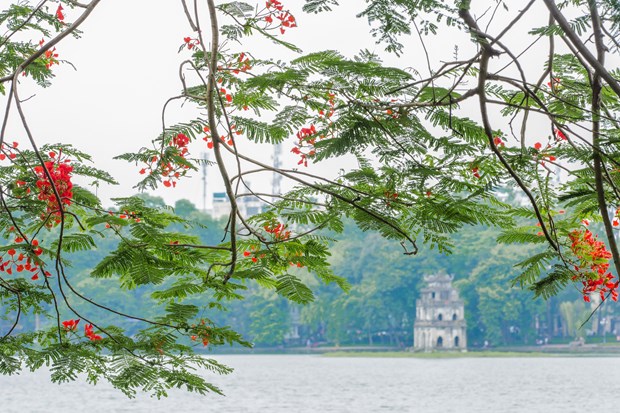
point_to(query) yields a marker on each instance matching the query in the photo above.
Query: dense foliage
(432, 152)
(380, 306)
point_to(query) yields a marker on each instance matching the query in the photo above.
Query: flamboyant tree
(434, 144)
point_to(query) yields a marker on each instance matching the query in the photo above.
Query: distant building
(440, 316)
(293, 337)
(221, 205)
(248, 205)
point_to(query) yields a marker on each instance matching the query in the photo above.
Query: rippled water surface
(313, 383)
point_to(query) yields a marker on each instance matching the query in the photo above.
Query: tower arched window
(454, 317)
(440, 317)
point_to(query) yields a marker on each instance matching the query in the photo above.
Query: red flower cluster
(277, 229)
(305, 136)
(70, 325)
(225, 139)
(542, 156)
(275, 4)
(498, 142)
(593, 266)
(8, 151)
(330, 108)
(60, 172)
(203, 333)
(559, 137)
(190, 43)
(242, 64)
(90, 334)
(51, 58)
(227, 96)
(254, 255)
(207, 138)
(286, 19)
(170, 170)
(180, 141)
(20, 262)
(124, 215)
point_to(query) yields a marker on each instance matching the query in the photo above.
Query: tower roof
(441, 277)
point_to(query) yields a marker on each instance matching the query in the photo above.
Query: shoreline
(551, 350)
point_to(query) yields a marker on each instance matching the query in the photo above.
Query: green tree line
(379, 309)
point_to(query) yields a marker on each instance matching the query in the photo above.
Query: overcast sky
(127, 67)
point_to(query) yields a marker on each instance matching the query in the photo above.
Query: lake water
(314, 383)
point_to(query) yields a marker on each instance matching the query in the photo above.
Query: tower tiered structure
(440, 316)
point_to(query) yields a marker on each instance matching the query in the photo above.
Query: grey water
(314, 383)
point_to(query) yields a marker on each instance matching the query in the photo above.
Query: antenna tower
(205, 164)
(276, 182)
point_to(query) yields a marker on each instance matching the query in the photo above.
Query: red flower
(70, 325)
(88, 332)
(59, 14)
(537, 146)
(560, 135)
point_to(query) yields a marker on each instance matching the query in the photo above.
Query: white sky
(127, 67)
